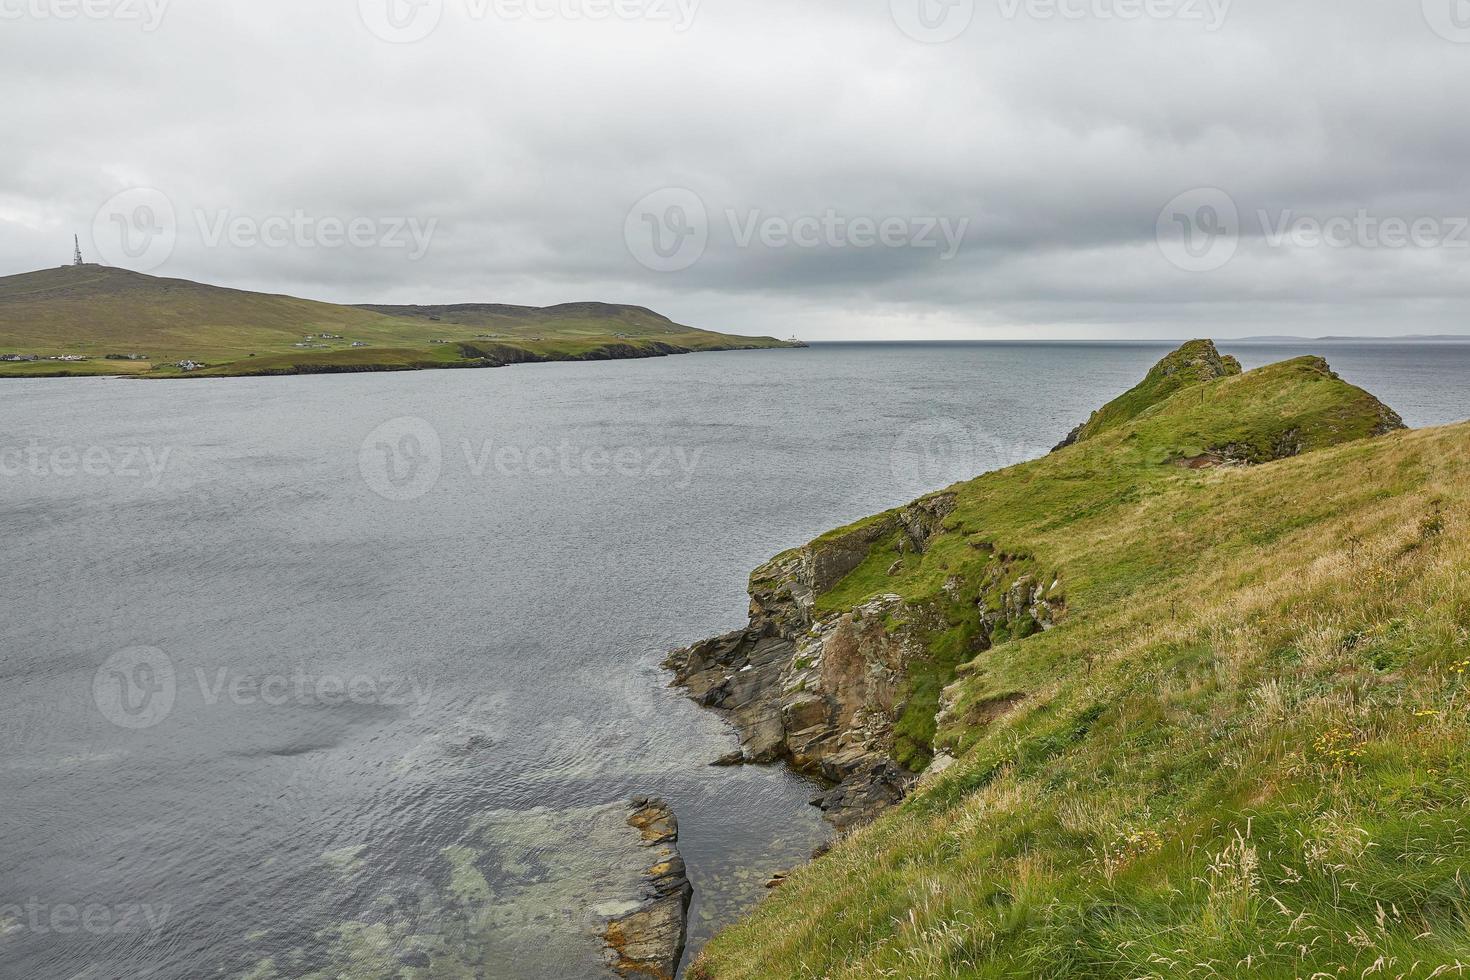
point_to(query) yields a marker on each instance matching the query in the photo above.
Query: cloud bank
(834, 169)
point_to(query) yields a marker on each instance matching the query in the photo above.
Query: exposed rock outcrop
(649, 941)
(825, 692)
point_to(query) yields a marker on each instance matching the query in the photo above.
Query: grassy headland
(105, 315)
(1236, 745)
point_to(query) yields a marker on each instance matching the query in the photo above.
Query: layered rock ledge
(649, 940)
(824, 692)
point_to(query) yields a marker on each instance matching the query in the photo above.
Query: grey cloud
(529, 141)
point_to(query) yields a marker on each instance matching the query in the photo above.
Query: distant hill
(501, 314)
(1287, 339)
(108, 315)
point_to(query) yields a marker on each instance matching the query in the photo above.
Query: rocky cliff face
(825, 692)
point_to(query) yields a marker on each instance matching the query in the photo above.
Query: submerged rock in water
(649, 940)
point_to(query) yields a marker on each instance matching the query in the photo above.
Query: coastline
(842, 670)
(92, 320)
(478, 358)
(1030, 662)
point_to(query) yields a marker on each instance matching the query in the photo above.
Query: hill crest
(95, 319)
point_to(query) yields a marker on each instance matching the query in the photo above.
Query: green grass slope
(589, 323)
(1193, 364)
(1242, 751)
(94, 311)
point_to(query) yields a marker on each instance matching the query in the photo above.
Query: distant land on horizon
(89, 320)
(1158, 341)
(1289, 339)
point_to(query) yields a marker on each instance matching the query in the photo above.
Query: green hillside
(1191, 364)
(94, 311)
(1196, 687)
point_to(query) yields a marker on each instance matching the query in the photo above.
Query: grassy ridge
(582, 327)
(1195, 363)
(95, 311)
(1243, 751)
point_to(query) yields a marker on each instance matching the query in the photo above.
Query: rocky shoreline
(824, 691)
(649, 940)
(475, 357)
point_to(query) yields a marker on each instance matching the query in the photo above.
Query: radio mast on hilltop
(77, 258)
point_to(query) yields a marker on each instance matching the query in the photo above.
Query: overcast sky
(832, 169)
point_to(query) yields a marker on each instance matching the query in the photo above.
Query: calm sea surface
(320, 676)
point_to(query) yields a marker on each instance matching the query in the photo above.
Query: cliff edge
(1167, 701)
(853, 637)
